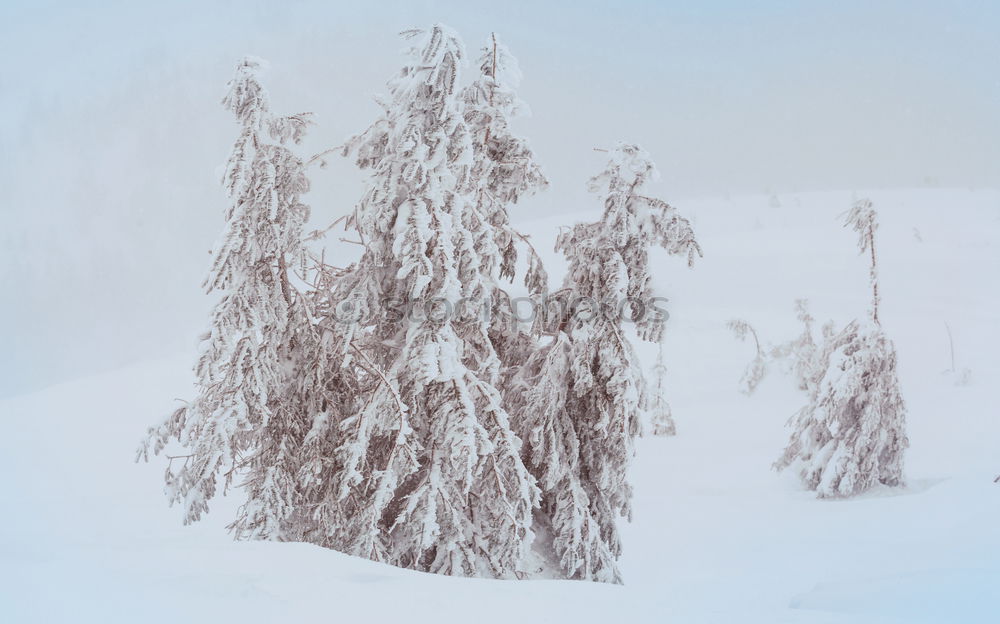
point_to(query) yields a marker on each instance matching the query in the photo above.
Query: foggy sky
(111, 132)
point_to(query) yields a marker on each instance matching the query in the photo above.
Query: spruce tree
(851, 435)
(239, 422)
(430, 465)
(579, 398)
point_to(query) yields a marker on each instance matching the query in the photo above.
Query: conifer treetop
(862, 219)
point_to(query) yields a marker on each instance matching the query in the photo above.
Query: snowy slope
(717, 536)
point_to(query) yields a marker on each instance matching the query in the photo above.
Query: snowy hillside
(717, 536)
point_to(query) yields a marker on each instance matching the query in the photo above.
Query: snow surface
(717, 535)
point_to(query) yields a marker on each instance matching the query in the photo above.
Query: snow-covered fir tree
(240, 423)
(578, 400)
(661, 417)
(851, 435)
(428, 472)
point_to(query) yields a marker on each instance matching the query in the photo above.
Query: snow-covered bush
(851, 434)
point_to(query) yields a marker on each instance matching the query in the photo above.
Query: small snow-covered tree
(800, 352)
(240, 422)
(661, 417)
(756, 370)
(851, 435)
(579, 398)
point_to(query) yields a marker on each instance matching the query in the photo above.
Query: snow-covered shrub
(851, 434)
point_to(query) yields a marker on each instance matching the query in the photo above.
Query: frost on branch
(851, 435)
(578, 400)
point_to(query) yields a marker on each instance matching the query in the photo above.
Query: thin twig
(316, 234)
(493, 75)
(374, 369)
(874, 272)
(322, 154)
(951, 343)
